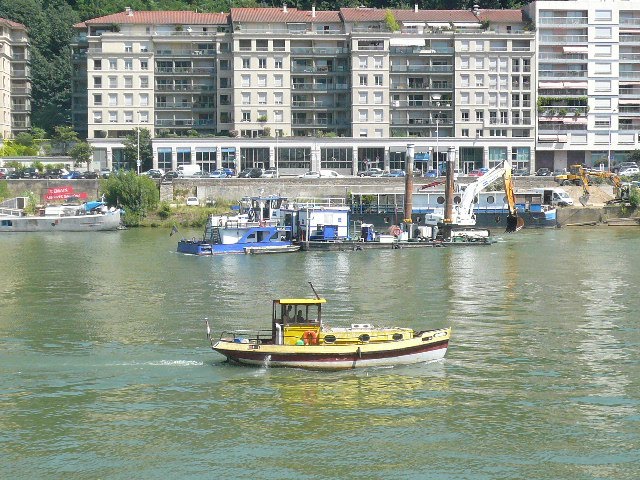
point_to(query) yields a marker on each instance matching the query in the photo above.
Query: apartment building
(588, 81)
(15, 83)
(300, 90)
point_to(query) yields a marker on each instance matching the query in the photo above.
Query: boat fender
(300, 342)
(364, 338)
(310, 337)
(359, 352)
(397, 336)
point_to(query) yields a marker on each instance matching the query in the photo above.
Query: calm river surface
(105, 371)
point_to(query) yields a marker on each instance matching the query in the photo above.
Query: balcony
(421, 51)
(319, 87)
(322, 69)
(626, 39)
(408, 104)
(565, 39)
(562, 74)
(185, 88)
(19, 91)
(562, 21)
(187, 122)
(185, 53)
(172, 106)
(311, 104)
(422, 68)
(563, 57)
(318, 51)
(318, 122)
(185, 71)
(633, 75)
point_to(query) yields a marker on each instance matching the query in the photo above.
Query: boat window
(490, 199)
(7, 223)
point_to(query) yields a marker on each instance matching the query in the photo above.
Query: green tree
(136, 194)
(131, 150)
(82, 153)
(391, 21)
(13, 149)
(64, 137)
(634, 156)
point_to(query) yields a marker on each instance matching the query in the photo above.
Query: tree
(146, 150)
(634, 156)
(136, 194)
(25, 139)
(64, 137)
(81, 153)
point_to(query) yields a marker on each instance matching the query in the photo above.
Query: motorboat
(300, 338)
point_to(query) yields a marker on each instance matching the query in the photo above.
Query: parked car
(193, 201)
(270, 173)
(29, 172)
(218, 174)
(628, 171)
(543, 172)
(623, 165)
(251, 173)
(330, 174)
(200, 174)
(521, 172)
(73, 175)
(310, 175)
(55, 173)
(371, 172)
(91, 175)
(394, 173)
(229, 171)
(2, 175)
(170, 175)
(475, 173)
(431, 173)
(153, 173)
(105, 173)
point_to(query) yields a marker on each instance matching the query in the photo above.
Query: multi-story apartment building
(15, 83)
(588, 81)
(303, 90)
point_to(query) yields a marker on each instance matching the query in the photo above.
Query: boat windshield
(297, 312)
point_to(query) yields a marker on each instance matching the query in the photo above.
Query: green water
(105, 371)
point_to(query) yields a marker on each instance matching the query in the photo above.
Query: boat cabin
(294, 319)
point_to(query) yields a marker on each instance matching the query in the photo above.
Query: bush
(164, 211)
(634, 197)
(137, 195)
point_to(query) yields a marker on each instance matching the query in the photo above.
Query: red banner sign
(62, 193)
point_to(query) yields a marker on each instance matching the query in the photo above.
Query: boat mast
(314, 291)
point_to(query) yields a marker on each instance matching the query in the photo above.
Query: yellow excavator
(579, 175)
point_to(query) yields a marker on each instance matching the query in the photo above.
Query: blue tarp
(92, 205)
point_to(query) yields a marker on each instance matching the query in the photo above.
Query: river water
(105, 371)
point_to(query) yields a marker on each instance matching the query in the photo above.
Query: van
(554, 196)
(188, 170)
(330, 174)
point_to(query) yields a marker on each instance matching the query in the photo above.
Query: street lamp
(138, 158)
(277, 169)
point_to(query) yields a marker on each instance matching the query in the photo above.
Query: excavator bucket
(584, 199)
(514, 223)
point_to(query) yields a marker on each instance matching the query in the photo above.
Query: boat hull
(427, 347)
(196, 247)
(77, 223)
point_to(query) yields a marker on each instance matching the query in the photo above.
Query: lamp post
(276, 155)
(138, 157)
(437, 165)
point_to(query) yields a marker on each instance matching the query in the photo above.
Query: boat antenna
(314, 291)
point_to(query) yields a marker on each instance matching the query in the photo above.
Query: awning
(550, 85)
(406, 42)
(575, 49)
(575, 84)
(439, 24)
(552, 138)
(629, 101)
(467, 25)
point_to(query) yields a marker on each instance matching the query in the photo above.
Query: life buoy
(310, 337)
(262, 223)
(396, 231)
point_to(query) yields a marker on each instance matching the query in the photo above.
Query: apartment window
(479, 63)
(128, 100)
(144, 48)
(515, 65)
(377, 62)
(504, 118)
(97, 82)
(602, 15)
(497, 133)
(363, 116)
(97, 117)
(602, 103)
(493, 118)
(479, 46)
(378, 133)
(503, 98)
(144, 65)
(515, 100)
(113, 64)
(246, 80)
(362, 62)
(246, 116)
(113, 99)
(465, 132)
(113, 117)
(128, 82)
(364, 133)
(113, 82)
(246, 98)
(262, 80)
(378, 116)
(464, 63)
(602, 68)
(479, 133)
(225, 65)
(128, 48)
(602, 51)
(464, 81)
(144, 82)
(278, 62)
(465, 115)
(603, 85)
(493, 82)
(363, 98)
(277, 80)
(479, 115)
(97, 99)
(262, 63)
(377, 80)
(278, 116)
(262, 98)
(378, 98)
(225, 82)
(464, 98)
(603, 32)
(144, 99)
(363, 80)
(128, 117)
(246, 63)
(278, 98)
(464, 45)
(493, 64)
(128, 64)
(479, 98)
(97, 64)
(479, 80)
(602, 121)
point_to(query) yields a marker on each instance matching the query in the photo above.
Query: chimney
(313, 10)
(128, 11)
(284, 7)
(415, 8)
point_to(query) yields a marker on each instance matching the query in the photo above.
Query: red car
(475, 173)
(2, 175)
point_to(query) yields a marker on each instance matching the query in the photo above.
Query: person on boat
(300, 317)
(286, 316)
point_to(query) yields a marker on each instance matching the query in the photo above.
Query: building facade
(15, 79)
(349, 89)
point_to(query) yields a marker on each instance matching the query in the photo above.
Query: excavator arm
(584, 176)
(514, 223)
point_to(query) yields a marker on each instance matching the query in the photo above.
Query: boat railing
(302, 203)
(14, 212)
(243, 223)
(246, 336)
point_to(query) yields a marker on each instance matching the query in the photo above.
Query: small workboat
(299, 338)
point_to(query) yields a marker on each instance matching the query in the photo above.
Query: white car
(309, 175)
(330, 174)
(270, 173)
(193, 201)
(628, 171)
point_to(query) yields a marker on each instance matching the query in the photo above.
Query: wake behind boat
(299, 338)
